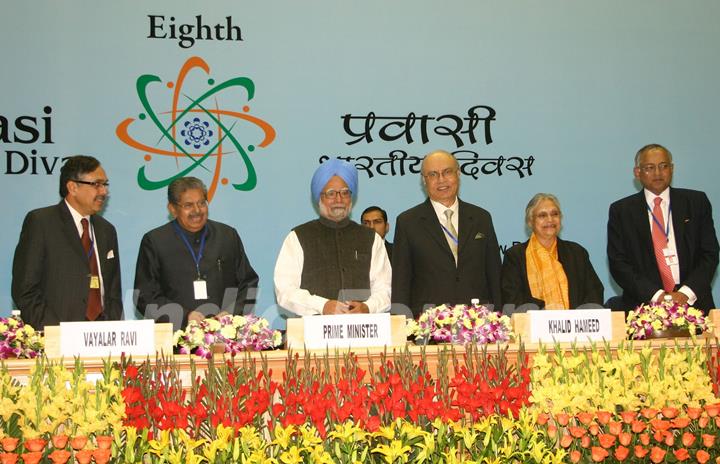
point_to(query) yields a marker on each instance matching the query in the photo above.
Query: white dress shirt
(288, 275)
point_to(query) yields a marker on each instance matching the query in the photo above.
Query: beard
(334, 213)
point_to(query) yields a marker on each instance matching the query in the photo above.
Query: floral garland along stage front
(327, 409)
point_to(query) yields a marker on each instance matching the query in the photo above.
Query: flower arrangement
(237, 333)
(658, 316)
(17, 339)
(462, 324)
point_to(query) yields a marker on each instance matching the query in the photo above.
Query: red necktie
(660, 241)
(94, 303)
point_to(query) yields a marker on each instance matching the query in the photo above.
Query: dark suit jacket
(165, 273)
(424, 271)
(51, 281)
(388, 248)
(630, 247)
(584, 286)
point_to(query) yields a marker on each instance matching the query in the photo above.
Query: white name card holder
(578, 325)
(346, 331)
(101, 339)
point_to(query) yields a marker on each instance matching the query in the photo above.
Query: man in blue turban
(333, 265)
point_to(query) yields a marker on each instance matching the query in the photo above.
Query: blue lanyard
(449, 234)
(195, 257)
(657, 221)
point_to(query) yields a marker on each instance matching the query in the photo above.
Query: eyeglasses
(650, 168)
(544, 215)
(96, 183)
(189, 206)
(435, 175)
(342, 193)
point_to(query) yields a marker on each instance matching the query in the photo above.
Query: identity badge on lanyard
(669, 254)
(199, 284)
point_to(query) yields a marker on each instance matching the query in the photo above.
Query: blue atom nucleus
(197, 133)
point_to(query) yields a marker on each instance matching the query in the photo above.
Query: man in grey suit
(66, 265)
(445, 249)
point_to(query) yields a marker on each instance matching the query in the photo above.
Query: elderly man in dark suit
(66, 265)
(445, 249)
(661, 240)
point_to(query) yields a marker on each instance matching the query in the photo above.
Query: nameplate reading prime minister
(568, 326)
(107, 338)
(347, 331)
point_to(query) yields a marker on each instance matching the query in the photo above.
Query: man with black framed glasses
(66, 265)
(661, 240)
(332, 265)
(192, 267)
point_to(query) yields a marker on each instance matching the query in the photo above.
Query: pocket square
(110, 255)
(479, 235)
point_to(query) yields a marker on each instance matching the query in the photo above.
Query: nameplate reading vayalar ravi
(347, 330)
(568, 326)
(107, 338)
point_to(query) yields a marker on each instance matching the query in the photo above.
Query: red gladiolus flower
(640, 452)
(681, 454)
(702, 456)
(688, 439)
(621, 453)
(598, 454)
(657, 455)
(606, 440)
(575, 456)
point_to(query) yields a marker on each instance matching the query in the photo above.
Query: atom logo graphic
(198, 134)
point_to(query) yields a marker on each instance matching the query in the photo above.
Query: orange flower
(702, 456)
(59, 456)
(670, 412)
(83, 456)
(606, 440)
(669, 438)
(543, 418)
(659, 435)
(703, 421)
(577, 432)
(688, 439)
(575, 456)
(562, 419)
(8, 458)
(621, 453)
(102, 456)
(603, 416)
(712, 409)
(717, 421)
(615, 427)
(628, 416)
(638, 426)
(640, 452)
(657, 455)
(598, 454)
(694, 413)
(681, 454)
(585, 441)
(32, 457)
(584, 417)
(659, 424)
(594, 429)
(708, 440)
(649, 413)
(680, 422)
(566, 441)
(552, 431)
(645, 439)
(624, 438)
